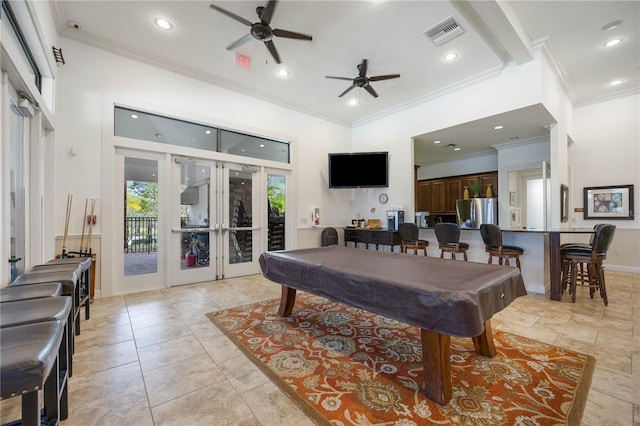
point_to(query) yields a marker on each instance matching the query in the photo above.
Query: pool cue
(84, 222)
(93, 208)
(66, 226)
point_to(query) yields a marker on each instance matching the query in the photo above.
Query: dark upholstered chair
(492, 237)
(448, 235)
(329, 237)
(410, 240)
(581, 273)
(592, 257)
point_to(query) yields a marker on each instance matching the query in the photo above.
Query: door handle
(180, 230)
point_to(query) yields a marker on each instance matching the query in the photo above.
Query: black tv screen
(358, 170)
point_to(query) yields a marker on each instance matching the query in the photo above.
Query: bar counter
(541, 266)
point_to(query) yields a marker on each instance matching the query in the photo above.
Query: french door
(215, 230)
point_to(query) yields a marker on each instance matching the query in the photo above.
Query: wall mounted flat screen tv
(358, 170)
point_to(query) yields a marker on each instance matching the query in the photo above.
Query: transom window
(140, 125)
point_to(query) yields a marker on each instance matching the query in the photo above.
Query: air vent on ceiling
(444, 31)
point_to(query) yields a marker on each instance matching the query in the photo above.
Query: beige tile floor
(153, 358)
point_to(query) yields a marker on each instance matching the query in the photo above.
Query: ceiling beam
(498, 24)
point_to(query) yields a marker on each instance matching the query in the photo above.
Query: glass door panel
(141, 217)
(142, 239)
(193, 236)
(276, 208)
(241, 233)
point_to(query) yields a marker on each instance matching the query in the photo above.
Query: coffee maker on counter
(396, 217)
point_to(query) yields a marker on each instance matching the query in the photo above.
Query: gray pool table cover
(441, 295)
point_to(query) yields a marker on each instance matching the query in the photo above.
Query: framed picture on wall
(608, 202)
(564, 203)
(512, 198)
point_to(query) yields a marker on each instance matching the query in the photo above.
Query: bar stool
(409, 235)
(27, 292)
(70, 287)
(581, 273)
(448, 235)
(29, 362)
(492, 237)
(593, 257)
(87, 263)
(81, 267)
(30, 311)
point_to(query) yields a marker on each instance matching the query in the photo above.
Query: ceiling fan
(363, 81)
(261, 31)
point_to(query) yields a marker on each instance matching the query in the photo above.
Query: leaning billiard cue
(66, 226)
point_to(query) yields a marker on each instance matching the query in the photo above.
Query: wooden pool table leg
(484, 342)
(437, 369)
(287, 300)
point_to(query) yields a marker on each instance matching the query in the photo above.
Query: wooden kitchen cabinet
(489, 179)
(454, 193)
(438, 196)
(423, 203)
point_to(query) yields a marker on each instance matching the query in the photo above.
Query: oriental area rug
(345, 366)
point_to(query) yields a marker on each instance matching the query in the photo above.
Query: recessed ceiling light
(498, 127)
(612, 25)
(283, 73)
(457, 148)
(261, 145)
(353, 102)
(208, 132)
(614, 42)
(134, 116)
(616, 82)
(449, 57)
(163, 23)
(158, 135)
(436, 141)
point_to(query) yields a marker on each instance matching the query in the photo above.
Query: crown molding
(545, 46)
(454, 87)
(520, 143)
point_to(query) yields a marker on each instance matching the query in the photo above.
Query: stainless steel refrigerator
(474, 212)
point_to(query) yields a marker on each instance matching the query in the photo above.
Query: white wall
(606, 151)
(91, 74)
(472, 164)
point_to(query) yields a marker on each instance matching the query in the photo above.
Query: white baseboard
(619, 268)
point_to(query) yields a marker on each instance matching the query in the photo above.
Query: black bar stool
(41, 310)
(593, 257)
(448, 235)
(30, 362)
(26, 292)
(409, 234)
(492, 237)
